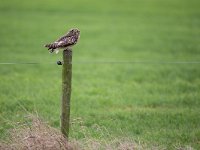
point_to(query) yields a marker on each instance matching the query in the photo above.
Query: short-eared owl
(65, 41)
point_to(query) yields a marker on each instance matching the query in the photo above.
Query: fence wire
(103, 62)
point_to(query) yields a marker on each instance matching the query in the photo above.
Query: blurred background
(157, 103)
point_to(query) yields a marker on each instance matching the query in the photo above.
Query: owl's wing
(61, 38)
(66, 41)
(64, 36)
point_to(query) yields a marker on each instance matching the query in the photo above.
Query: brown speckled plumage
(65, 41)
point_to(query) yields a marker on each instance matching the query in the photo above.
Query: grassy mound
(38, 135)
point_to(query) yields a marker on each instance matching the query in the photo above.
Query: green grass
(157, 104)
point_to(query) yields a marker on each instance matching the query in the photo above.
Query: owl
(66, 41)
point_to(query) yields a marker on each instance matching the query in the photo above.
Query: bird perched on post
(66, 41)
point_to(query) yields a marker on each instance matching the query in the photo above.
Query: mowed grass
(156, 104)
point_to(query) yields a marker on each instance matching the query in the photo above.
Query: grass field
(156, 104)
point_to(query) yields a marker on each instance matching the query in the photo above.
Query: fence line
(25, 63)
(137, 62)
(104, 62)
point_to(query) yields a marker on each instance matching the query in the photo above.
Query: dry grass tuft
(37, 135)
(118, 144)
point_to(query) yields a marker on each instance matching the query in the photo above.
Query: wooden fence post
(66, 91)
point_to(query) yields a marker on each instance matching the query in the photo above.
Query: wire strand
(25, 63)
(104, 62)
(137, 62)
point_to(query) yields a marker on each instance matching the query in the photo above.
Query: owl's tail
(51, 47)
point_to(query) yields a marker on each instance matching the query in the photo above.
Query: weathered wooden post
(66, 91)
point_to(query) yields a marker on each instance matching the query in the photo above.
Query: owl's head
(74, 32)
